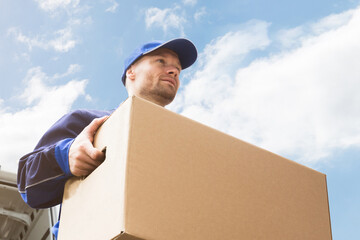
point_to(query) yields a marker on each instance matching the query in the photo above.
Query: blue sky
(282, 75)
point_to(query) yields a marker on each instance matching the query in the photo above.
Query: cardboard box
(167, 177)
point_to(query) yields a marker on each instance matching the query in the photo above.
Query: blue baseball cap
(184, 48)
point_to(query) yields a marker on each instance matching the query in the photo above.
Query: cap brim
(184, 48)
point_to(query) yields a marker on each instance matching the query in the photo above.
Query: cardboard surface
(168, 177)
(125, 236)
(97, 202)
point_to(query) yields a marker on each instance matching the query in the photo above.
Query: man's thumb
(94, 125)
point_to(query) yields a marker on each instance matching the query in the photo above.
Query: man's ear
(130, 73)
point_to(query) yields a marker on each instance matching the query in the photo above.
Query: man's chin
(167, 95)
(160, 96)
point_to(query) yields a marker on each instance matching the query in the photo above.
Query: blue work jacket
(43, 172)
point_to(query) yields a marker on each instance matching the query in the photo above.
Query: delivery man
(65, 150)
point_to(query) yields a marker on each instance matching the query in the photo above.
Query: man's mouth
(170, 80)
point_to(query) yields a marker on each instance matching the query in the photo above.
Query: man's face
(155, 76)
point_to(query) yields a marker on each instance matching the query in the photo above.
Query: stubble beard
(160, 94)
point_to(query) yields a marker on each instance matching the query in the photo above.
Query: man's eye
(161, 61)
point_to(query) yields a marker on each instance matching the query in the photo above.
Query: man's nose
(171, 70)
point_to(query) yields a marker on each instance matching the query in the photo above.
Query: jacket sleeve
(42, 173)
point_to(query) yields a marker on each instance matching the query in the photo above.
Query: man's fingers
(95, 154)
(94, 126)
(83, 157)
(83, 166)
(87, 153)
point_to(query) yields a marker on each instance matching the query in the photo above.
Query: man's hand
(83, 157)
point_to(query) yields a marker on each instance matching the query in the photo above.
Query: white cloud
(190, 2)
(64, 40)
(295, 36)
(113, 7)
(43, 105)
(88, 98)
(200, 13)
(290, 37)
(30, 42)
(168, 18)
(61, 40)
(302, 102)
(73, 68)
(53, 5)
(212, 82)
(332, 22)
